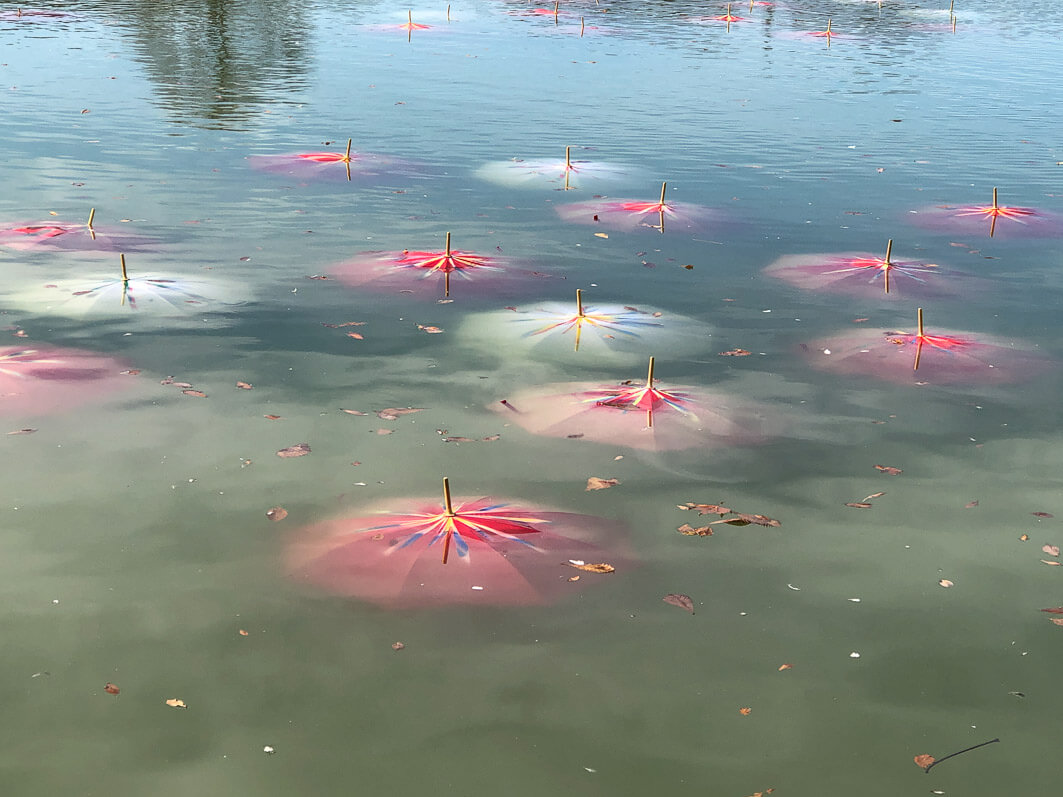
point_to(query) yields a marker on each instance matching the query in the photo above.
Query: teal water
(134, 541)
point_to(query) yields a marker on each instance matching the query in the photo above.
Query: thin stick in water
(919, 341)
(933, 764)
(887, 265)
(448, 510)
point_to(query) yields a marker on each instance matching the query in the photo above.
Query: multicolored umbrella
(70, 237)
(944, 358)
(568, 173)
(638, 416)
(419, 272)
(463, 551)
(325, 165)
(629, 214)
(39, 379)
(864, 274)
(995, 218)
(605, 333)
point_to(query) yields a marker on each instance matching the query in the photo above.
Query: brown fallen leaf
(1051, 562)
(745, 712)
(1057, 620)
(353, 412)
(680, 600)
(744, 519)
(174, 702)
(356, 335)
(277, 513)
(970, 505)
(859, 505)
(1042, 514)
(344, 324)
(596, 483)
(453, 439)
(242, 632)
(1051, 550)
(397, 645)
(111, 689)
(946, 583)
(130, 372)
(490, 438)
(1058, 610)
(735, 353)
(600, 567)
(385, 431)
(706, 509)
(393, 413)
(601, 235)
(245, 385)
(272, 417)
(298, 450)
(22, 431)
(785, 667)
(429, 330)
(1024, 538)
(873, 495)
(924, 760)
(892, 471)
(195, 393)
(690, 531)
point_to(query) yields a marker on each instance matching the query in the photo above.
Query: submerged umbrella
(71, 237)
(630, 214)
(569, 173)
(943, 358)
(995, 218)
(430, 274)
(608, 332)
(324, 165)
(423, 553)
(638, 416)
(39, 379)
(862, 273)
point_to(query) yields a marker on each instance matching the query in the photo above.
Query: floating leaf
(600, 567)
(970, 505)
(1057, 620)
(745, 712)
(596, 483)
(1024, 537)
(176, 703)
(706, 509)
(298, 450)
(735, 353)
(429, 330)
(356, 335)
(277, 513)
(1051, 550)
(22, 431)
(859, 505)
(272, 417)
(397, 645)
(1042, 514)
(111, 689)
(946, 583)
(242, 632)
(785, 667)
(680, 600)
(601, 235)
(353, 412)
(744, 519)
(892, 471)
(245, 385)
(1058, 610)
(195, 393)
(924, 760)
(1051, 562)
(690, 531)
(393, 413)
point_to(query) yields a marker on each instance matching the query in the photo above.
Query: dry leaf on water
(1042, 514)
(1051, 550)
(970, 505)
(859, 505)
(429, 330)
(785, 667)
(277, 513)
(946, 583)
(596, 483)
(680, 600)
(892, 471)
(397, 645)
(298, 450)
(111, 689)
(745, 712)
(393, 413)
(705, 509)
(245, 385)
(1051, 562)
(242, 632)
(195, 393)
(761, 793)
(735, 353)
(22, 431)
(925, 760)
(272, 417)
(353, 412)
(600, 567)
(1057, 620)
(690, 531)
(1058, 610)
(174, 702)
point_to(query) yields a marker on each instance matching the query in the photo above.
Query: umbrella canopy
(566, 174)
(38, 13)
(39, 379)
(629, 214)
(646, 417)
(865, 274)
(70, 237)
(325, 165)
(588, 333)
(994, 219)
(122, 293)
(430, 274)
(943, 358)
(423, 553)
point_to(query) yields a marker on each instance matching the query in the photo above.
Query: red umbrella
(71, 237)
(862, 273)
(479, 551)
(427, 273)
(39, 379)
(943, 358)
(995, 218)
(637, 416)
(630, 214)
(324, 165)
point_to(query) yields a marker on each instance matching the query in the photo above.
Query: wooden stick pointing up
(887, 265)
(919, 341)
(446, 268)
(995, 213)
(448, 510)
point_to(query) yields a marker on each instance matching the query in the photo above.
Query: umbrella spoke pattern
(566, 174)
(630, 214)
(996, 219)
(605, 322)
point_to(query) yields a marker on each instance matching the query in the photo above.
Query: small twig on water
(933, 764)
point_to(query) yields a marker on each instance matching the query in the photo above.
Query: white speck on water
(826, 351)
(478, 588)
(854, 655)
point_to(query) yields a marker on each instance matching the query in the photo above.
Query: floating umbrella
(994, 219)
(637, 416)
(726, 17)
(863, 273)
(71, 237)
(116, 295)
(38, 13)
(430, 274)
(480, 551)
(608, 332)
(39, 379)
(325, 165)
(630, 214)
(943, 358)
(569, 173)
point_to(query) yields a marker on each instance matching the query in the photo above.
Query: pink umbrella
(646, 416)
(40, 379)
(324, 165)
(72, 237)
(420, 272)
(465, 551)
(863, 274)
(995, 218)
(629, 214)
(727, 17)
(38, 13)
(946, 358)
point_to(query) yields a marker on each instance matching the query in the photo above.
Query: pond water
(136, 547)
